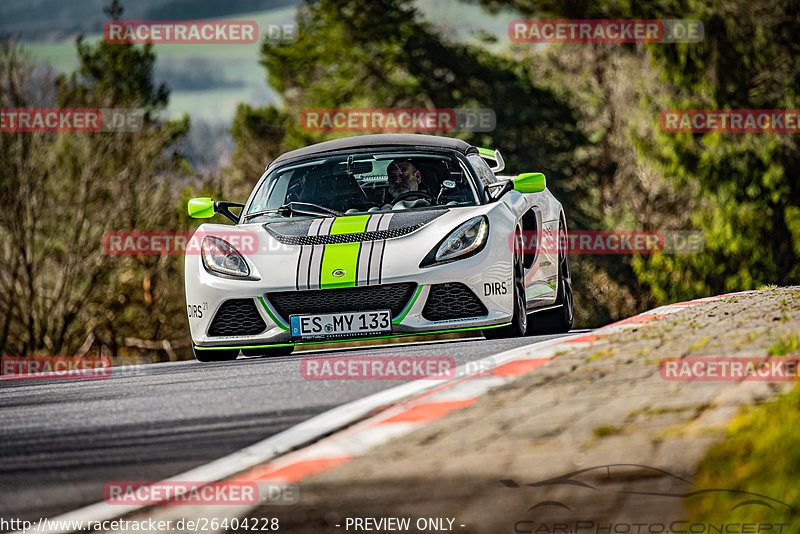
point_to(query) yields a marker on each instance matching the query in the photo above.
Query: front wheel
(519, 319)
(560, 319)
(215, 355)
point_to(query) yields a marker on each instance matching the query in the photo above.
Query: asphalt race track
(62, 441)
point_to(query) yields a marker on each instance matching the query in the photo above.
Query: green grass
(699, 344)
(761, 454)
(605, 430)
(601, 354)
(752, 336)
(785, 345)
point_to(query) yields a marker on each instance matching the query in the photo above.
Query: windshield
(363, 183)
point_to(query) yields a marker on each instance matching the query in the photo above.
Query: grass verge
(761, 455)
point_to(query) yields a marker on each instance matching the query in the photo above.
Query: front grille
(237, 317)
(342, 238)
(349, 299)
(452, 301)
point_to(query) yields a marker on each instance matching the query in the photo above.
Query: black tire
(560, 319)
(269, 351)
(221, 355)
(519, 318)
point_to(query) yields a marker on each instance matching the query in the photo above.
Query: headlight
(220, 257)
(464, 241)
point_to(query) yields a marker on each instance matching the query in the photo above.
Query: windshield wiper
(288, 209)
(323, 209)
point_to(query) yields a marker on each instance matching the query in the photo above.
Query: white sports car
(374, 236)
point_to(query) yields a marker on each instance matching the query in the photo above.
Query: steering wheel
(407, 194)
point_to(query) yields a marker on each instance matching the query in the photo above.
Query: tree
(61, 292)
(749, 59)
(737, 189)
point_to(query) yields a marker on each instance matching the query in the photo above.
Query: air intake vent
(237, 317)
(452, 301)
(349, 299)
(342, 238)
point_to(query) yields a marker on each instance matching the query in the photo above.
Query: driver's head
(403, 177)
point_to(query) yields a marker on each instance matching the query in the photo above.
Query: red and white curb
(453, 395)
(368, 422)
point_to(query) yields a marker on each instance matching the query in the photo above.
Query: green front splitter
(353, 338)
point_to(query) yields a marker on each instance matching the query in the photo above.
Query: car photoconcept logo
(617, 472)
(338, 273)
(545, 514)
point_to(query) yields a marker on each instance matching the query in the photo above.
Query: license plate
(341, 324)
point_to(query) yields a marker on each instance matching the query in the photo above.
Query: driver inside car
(404, 177)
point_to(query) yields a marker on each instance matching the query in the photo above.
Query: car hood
(377, 226)
(329, 252)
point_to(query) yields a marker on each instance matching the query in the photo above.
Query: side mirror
(493, 159)
(201, 208)
(205, 208)
(530, 182)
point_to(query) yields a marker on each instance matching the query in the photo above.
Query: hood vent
(296, 232)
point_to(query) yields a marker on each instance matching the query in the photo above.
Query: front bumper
(417, 314)
(409, 322)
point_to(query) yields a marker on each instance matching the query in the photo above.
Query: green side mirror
(201, 208)
(530, 182)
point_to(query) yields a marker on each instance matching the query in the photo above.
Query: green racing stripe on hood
(342, 257)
